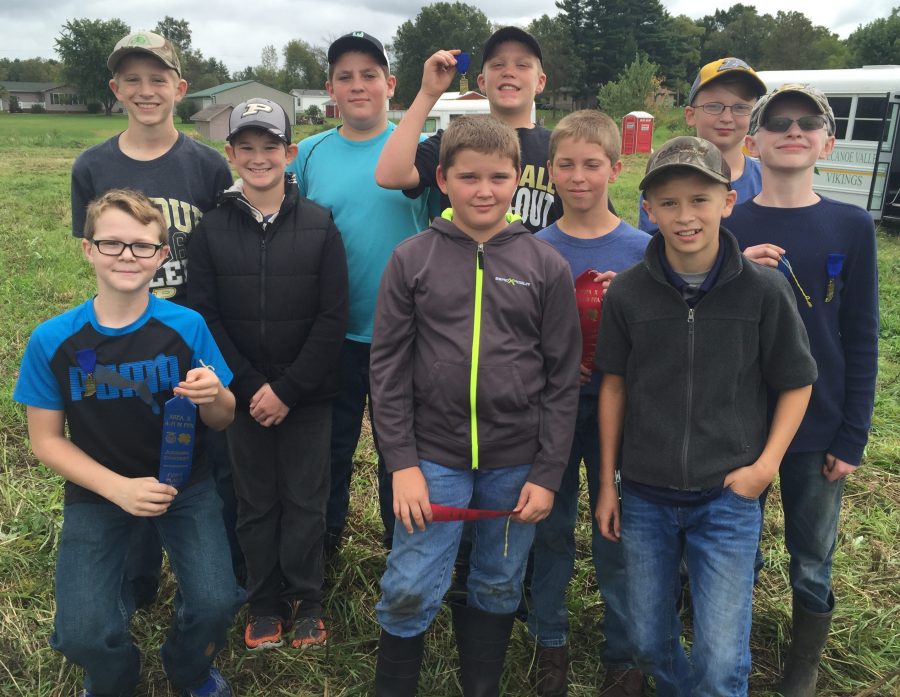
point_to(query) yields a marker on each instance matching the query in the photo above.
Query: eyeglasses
(114, 248)
(781, 124)
(716, 108)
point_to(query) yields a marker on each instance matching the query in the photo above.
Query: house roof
(211, 112)
(218, 89)
(14, 86)
(309, 93)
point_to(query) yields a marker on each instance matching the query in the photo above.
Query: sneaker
(263, 632)
(623, 683)
(215, 686)
(552, 671)
(309, 631)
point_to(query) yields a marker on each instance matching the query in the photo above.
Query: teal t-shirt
(340, 174)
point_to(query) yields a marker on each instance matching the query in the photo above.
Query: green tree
(794, 43)
(738, 31)
(178, 31)
(31, 70)
(685, 36)
(305, 66)
(878, 42)
(634, 89)
(267, 70)
(562, 64)
(441, 25)
(83, 46)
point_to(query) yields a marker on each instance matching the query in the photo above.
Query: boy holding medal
(108, 369)
(584, 161)
(827, 251)
(475, 382)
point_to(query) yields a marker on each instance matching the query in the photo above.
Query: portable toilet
(637, 132)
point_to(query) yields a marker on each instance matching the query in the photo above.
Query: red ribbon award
(589, 296)
(447, 514)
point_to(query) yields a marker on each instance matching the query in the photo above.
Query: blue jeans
(554, 554)
(93, 607)
(719, 539)
(812, 507)
(420, 564)
(346, 423)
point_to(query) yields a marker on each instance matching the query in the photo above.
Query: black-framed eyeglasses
(781, 124)
(716, 108)
(114, 248)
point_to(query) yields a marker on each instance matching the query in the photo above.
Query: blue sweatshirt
(830, 246)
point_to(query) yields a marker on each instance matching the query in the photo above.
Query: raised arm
(396, 167)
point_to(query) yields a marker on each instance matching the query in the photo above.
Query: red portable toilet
(637, 132)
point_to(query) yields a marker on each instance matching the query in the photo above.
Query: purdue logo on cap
(255, 108)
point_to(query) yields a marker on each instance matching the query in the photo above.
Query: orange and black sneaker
(263, 632)
(309, 631)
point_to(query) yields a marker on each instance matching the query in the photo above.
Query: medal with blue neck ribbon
(176, 454)
(87, 361)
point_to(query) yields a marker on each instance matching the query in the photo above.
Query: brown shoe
(623, 683)
(552, 671)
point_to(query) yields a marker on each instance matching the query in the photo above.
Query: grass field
(43, 274)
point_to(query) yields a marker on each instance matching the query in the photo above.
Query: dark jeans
(94, 605)
(346, 424)
(281, 482)
(144, 560)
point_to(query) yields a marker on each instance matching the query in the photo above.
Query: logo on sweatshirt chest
(510, 281)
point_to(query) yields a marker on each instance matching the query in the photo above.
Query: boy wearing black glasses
(827, 251)
(719, 106)
(112, 370)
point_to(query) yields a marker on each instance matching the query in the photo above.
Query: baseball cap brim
(696, 168)
(510, 34)
(357, 42)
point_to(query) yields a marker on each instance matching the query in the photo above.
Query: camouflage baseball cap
(145, 42)
(690, 152)
(260, 113)
(815, 96)
(726, 66)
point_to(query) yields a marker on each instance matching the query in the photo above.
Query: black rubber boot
(801, 668)
(399, 661)
(481, 639)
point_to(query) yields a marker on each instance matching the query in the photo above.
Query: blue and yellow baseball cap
(720, 68)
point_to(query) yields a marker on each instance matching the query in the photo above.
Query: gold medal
(90, 386)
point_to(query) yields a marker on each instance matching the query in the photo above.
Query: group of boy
(473, 359)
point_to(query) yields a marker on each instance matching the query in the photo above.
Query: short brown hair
(134, 203)
(591, 126)
(483, 134)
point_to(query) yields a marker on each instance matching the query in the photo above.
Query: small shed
(212, 122)
(237, 92)
(637, 132)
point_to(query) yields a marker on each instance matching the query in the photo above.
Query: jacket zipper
(689, 398)
(262, 297)
(476, 343)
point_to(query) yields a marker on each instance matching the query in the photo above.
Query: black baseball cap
(358, 41)
(260, 113)
(510, 34)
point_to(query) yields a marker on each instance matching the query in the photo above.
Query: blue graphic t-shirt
(113, 419)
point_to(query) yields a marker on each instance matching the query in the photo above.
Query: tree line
(588, 44)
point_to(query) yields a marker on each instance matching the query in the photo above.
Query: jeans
(93, 607)
(812, 507)
(420, 564)
(554, 554)
(281, 482)
(346, 423)
(720, 540)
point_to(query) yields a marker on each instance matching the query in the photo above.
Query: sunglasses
(780, 124)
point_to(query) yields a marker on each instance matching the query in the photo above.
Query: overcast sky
(236, 30)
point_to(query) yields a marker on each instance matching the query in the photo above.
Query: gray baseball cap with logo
(815, 96)
(148, 43)
(690, 152)
(260, 113)
(358, 41)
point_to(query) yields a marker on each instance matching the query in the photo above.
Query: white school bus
(864, 167)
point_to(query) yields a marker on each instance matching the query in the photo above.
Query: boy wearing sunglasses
(719, 106)
(827, 251)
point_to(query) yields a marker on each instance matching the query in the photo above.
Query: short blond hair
(134, 203)
(590, 126)
(483, 134)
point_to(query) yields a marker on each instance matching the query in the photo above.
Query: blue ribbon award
(178, 434)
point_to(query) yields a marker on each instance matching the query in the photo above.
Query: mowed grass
(43, 274)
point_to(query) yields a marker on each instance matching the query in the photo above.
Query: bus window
(841, 108)
(868, 119)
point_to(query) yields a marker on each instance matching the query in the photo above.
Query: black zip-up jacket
(696, 378)
(274, 294)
